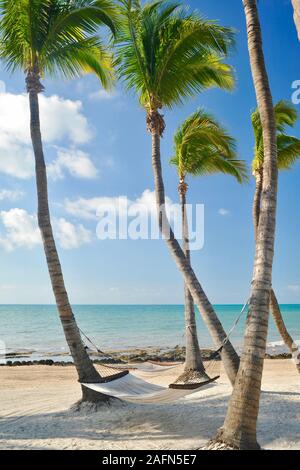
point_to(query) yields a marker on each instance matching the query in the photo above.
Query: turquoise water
(37, 328)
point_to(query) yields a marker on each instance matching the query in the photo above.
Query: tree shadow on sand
(195, 420)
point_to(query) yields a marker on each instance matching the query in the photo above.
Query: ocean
(36, 330)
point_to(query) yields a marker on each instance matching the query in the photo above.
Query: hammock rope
(111, 373)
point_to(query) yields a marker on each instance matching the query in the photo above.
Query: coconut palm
(165, 53)
(201, 147)
(296, 6)
(239, 428)
(288, 148)
(48, 37)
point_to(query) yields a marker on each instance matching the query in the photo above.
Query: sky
(97, 149)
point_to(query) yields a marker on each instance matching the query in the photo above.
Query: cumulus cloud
(2, 87)
(71, 236)
(223, 212)
(20, 229)
(294, 287)
(103, 95)
(10, 195)
(122, 217)
(73, 161)
(91, 208)
(60, 120)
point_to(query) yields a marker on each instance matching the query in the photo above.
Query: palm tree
(45, 37)
(166, 54)
(288, 148)
(296, 6)
(202, 147)
(239, 429)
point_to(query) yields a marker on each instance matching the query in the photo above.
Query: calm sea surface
(36, 328)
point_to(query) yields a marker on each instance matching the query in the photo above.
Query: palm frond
(286, 115)
(80, 57)
(166, 54)
(202, 146)
(130, 61)
(81, 15)
(59, 35)
(288, 151)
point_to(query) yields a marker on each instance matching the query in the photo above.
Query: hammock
(135, 390)
(149, 367)
(120, 383)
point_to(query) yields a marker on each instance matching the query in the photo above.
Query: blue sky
(96, 146)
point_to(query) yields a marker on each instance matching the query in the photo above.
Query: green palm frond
(288, 147)
(86, 15)
(288, 151)
(202, 147)
(165, 53)
(59, 35)
(83, 56)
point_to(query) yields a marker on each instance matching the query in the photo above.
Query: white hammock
(136, 390)
(148, 367)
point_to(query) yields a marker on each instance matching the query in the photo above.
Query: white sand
(35, 401)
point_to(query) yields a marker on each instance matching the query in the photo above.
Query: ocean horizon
(34, 330)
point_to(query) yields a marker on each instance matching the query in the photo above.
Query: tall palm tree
(239, 429)
(166, 54)
(45, 37)
(202, 147)
(288, 148)
(296, 6)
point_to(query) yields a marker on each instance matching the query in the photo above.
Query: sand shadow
(184, 420)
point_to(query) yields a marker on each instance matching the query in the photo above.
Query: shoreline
(135, 355)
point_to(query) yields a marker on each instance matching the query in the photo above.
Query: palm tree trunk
(274, 305)
(239, 429)
(258, 174)
(288, 340)
(84, 366)
(296, 6)
(229, 356)
(193, 368)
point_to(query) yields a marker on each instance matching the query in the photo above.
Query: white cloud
(15, 159)
(21, 230)
(294, 287)
(89, 208)
(71, 236)
(10, 195)
(7, 287)
(103, 95)
(223, 212)
(60, 120)
(2, 87)
(75, 162)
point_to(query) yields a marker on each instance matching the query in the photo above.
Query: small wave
(279, 347)
(274, 344)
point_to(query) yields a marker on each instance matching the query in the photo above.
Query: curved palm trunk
(193, 367)
(84, 366)
(258, 175)
(296, 6)
(229, 356)
(288, 340)
(239, 429)
(274, 305)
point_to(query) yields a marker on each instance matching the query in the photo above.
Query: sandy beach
(36, 401)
